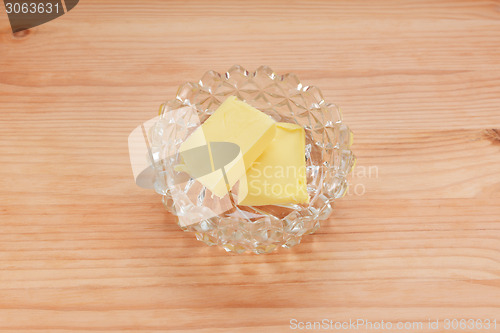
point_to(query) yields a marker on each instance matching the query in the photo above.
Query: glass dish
(259, 229)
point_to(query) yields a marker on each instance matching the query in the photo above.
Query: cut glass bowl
(259, 229)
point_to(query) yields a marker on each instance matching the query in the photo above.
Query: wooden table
(82, 249)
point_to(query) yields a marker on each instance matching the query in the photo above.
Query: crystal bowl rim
(180, 101)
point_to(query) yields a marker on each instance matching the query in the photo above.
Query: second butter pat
(278, 176)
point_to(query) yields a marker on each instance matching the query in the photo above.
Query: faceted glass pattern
(264, 228)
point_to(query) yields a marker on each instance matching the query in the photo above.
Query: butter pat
(233, 122)
(278, 176)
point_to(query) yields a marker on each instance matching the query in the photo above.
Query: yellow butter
(278, 176)
(235, 122)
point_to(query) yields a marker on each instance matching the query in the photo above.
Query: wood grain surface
(82, 249)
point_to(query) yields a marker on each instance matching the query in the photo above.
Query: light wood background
(82, 249)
